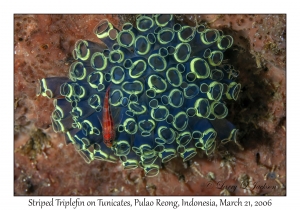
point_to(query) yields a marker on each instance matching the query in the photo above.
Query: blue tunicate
(167, 85)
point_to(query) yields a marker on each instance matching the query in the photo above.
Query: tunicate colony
(167, 85)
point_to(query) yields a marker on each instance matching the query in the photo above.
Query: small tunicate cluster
(166, 84)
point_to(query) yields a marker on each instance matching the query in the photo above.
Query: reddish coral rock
(44, 165)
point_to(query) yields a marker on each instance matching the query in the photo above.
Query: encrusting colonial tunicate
(152, 92)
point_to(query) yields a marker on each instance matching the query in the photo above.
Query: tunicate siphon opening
(126, 38)
(165, 100)
(200, 67)
(163, 20)
(117, 74)
(144, 23)
(157, 62)
(182, 53)
(153, 103)
(165, 36)
(98, 61)
(174, 77)
(186, 34)
(170, 119)
(151, 93)
(215, 58)
(180, 121)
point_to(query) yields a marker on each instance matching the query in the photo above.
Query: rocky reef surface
(44, 165)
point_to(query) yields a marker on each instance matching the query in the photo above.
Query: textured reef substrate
(43, 48)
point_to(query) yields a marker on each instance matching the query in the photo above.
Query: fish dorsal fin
(100, 121)
(115, 116)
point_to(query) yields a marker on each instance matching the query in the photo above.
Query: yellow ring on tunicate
(119, 37)
(162, 108)
(119, 101)
(236, 90)
(100, 80)
(148, 159)
(151, 170)
(212, 109)
(79, 147)
(178, 74)
(70, 88)
(190, 96)
(77, 50)
(103, 58)
(161, 128)
(190, 37)
(182, 134)
(87, 155)
(165, 30)
(207, 53)
(162, 59)
(213, 53)
(139, 18)
(93, 129)
(149, 120)
(130, 163)
(192, 66)
(197, 105)
(104, 33)
(121, 151)
(230, 39)
(70, 137)
(72, 73)
(57, 126)
(170, 154)
(112, 73)
(162, 24)
(136, 92)
(211, 87)
(209, 142)
(82, 92)
(204, 38)
(60, 111)
(192, 152)
(134, 65)
(176, 50)
(147, 48)
(231, 137)
(214, 72)
(120, 52)
(97, 101)
(44, 89)
(177, 116)
(136, 103)
(172, 92)
(128, 120)
(152, 86)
